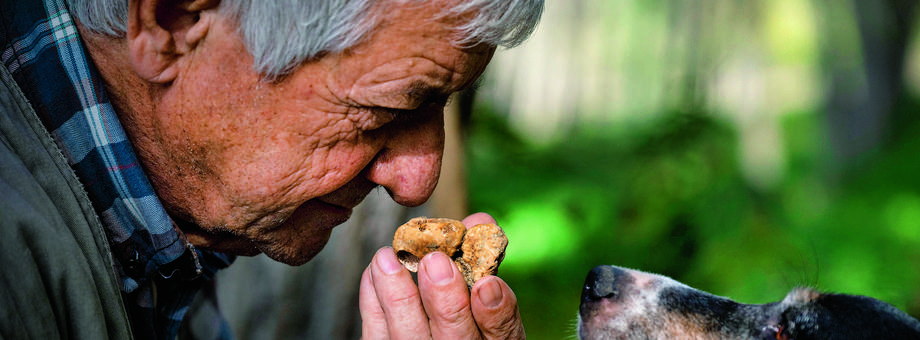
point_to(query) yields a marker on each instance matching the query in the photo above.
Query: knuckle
(454, 313)
(501, 326)
(505, 324)
(401, 298)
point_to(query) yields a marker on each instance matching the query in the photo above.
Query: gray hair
(281, 34)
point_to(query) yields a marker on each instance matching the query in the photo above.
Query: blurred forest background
(743, 147)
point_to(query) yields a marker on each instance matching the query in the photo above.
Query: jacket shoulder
(58, 280)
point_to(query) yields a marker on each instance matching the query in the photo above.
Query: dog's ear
(161, 32)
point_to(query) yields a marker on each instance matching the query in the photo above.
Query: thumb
(495, 309)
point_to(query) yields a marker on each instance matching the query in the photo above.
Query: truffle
(477, 252)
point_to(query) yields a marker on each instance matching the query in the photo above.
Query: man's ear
(161, 32)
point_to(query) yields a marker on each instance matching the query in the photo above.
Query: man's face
(272, 167)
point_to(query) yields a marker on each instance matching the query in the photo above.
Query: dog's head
(618, 303)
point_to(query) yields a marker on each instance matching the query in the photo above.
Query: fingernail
(490, 294)
(387, 262)
(439, 268)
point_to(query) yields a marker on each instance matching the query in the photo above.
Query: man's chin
(303, 234)
(295, 241)
(294, 255)
(295, 251)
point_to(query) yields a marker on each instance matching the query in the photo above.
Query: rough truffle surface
(483, 250)
(477, 251)
(422, 235)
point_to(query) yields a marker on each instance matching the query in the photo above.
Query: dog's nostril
(597, 292)
(601, 283)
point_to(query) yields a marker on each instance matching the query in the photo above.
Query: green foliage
(668, 197)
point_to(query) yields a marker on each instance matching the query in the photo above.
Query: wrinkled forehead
(411, 45)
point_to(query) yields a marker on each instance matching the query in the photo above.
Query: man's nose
(409, 164)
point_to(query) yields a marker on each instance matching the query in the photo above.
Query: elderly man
(146, 142)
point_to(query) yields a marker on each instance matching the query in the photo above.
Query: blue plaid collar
(45, 55)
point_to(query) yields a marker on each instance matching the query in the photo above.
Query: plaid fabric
(40, 46)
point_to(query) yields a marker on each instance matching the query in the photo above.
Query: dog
(620, 303)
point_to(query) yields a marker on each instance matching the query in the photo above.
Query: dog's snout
(602, 282)
(606, 287)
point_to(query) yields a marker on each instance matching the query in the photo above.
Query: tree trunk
(862, 96)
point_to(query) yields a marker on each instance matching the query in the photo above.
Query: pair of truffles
(477, 252)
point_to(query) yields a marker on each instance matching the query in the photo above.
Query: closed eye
(434, 106)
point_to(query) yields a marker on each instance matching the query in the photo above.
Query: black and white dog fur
(619, 303)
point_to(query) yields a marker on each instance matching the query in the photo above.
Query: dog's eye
(781, 334)
(775, 331)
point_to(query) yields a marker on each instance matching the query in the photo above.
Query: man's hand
(392, 307)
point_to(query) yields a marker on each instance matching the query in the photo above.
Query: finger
(373, 319)
(478, 218)
(495, 309)
(398, 297)
(445, 298)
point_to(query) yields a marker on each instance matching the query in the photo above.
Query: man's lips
(350, 194)
(344, 202)
(329, 215)
(346, 205)
(330, 210)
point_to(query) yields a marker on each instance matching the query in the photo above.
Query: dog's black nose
(603, 282)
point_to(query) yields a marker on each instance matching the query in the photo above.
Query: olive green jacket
(57, 279)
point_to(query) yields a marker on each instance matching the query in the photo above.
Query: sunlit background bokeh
(742, 147)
